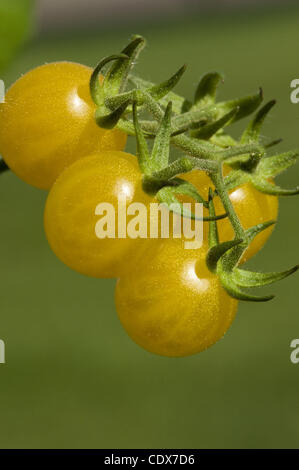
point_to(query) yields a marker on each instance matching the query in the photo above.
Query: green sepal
(264, 186)
(117, 76)
(179, 104)
(206, 132)
(271, 166)
(155, 91)
(160, 152)
(192, 119)
(168, 196)
(256, 279)
(161, 90)
(259, 170)
(246, 105)
(252, 232)
(223, 259)
(143, 154)
(206, 89)
(235, 178)
(272, 143)
(252, 133)
(221, 139)
(216, 252)
(233, 290)
(183, 165)
(231, 259)
(96, 88)
(185, 188)
(109, 121)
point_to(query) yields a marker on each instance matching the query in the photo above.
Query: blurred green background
(72, 378)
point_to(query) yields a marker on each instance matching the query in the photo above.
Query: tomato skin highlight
(172, 305)
(70, 217)
(251, 206)
(47, 122)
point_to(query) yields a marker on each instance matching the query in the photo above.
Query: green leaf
(16, 23)
(96, 90)
(143, 154)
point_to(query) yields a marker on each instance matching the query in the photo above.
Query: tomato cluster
(167, 299)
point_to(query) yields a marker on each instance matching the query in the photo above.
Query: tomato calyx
(160, 176)
(223, 259)
(258, 168)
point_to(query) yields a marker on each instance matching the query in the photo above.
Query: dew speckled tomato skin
(251, 206)
(70, 217)
(172, 305)
(47, 123)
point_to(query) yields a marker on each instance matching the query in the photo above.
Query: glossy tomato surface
(173, 305)
(47, 123)
(72, 213)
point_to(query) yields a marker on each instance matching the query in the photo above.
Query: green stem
(217, 179)
(193, 147)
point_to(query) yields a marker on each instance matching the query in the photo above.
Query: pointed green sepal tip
(252, 232)
(117, 76)
(272, 143)
(249, 279)
(247, 105)
(207, 87)
(252, 133)
(159, 91)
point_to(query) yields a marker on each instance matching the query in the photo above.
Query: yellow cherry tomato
(172, 304)
(251, 206)
(75, 207)
(47, 123)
